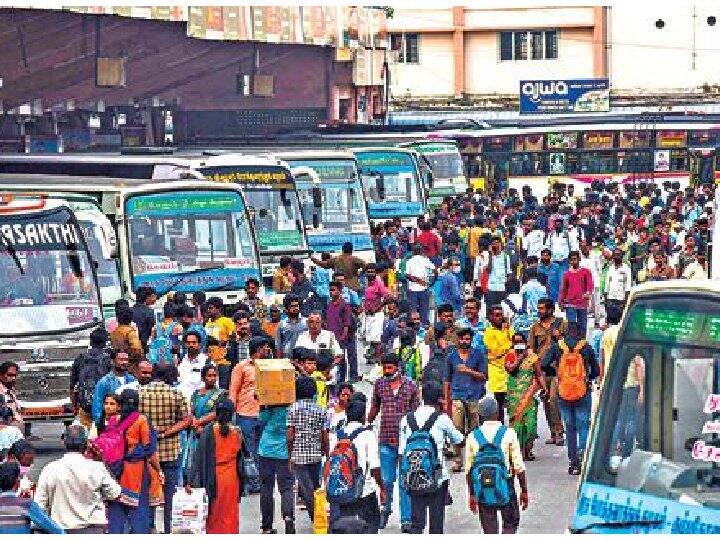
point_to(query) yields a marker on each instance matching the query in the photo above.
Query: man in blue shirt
(473, 321)
(552, 272)
(466, 375)
(109, 383)
(448, 286)
(532, 291)
(18, 513)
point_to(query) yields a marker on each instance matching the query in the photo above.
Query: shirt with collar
(12, 403)
(442, 430)
(189, 374)
(73, 491)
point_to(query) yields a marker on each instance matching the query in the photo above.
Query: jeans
(389, 472)
(626, 426)
(552, 410)
(171, 471)
(366, 508)
(352, 359)
(579, 316)
(576, 417)
(249, 427)
(270, 470)
(308, 479)
(420, 301)
(434, 504)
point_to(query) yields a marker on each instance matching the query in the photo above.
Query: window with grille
(407, 47)
(529, 45)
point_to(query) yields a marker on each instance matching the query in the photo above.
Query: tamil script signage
(565, 96)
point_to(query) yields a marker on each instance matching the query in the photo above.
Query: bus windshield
(444, 159)
(397, 173)
(272, 198)
(190, 241)
(343, 203)
(48, 285)
(657, 432)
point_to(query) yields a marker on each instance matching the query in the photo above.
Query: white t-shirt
(618, 282)
(189, 377)
(533, 243)
(420, 267)
(325, 340)
(368, 457)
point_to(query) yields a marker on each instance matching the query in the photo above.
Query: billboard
(564, 96)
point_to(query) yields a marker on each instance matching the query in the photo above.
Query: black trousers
(367, 509)
(308, 479)
(510, 517)
(270, 471)
(434, 503)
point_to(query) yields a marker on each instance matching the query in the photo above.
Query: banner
(662, 160)
(51, 231)
(565, 95)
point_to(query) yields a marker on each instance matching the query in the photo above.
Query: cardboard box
(274, 382)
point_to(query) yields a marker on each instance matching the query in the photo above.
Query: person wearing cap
(510, 446)
(73, 489)
(394, 395)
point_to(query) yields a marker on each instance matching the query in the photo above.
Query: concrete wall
(433, 75)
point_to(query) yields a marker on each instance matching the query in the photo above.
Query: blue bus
(392, 184)
(332, 201)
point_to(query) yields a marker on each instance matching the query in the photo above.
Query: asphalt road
(552, 490)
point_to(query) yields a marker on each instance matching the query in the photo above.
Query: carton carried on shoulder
(275, 381)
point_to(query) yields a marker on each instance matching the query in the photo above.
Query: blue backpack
(343, 476)
(420, 465)
(522, 322)
(489, 473)
(160, 350)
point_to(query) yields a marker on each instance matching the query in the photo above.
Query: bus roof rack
(147, 150)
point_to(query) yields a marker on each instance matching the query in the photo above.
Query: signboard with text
(564, 96)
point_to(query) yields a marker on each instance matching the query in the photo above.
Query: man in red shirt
(575, 292)
(431, 243)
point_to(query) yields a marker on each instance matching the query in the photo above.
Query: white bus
(49, 299)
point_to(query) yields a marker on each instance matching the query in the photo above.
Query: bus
(653, 458)
(580, 154)
(392, 183)
(342, 214)
(184, 236)
(267, 185)
(446, 165)
(49, 300)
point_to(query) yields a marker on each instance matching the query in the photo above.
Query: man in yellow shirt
(218, 325)
(498, 342)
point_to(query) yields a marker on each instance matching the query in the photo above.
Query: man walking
(290, 328)
(8, 378)
(73, 489)
(498, 342)
(167, 410)
(618, 283)
(576, 291)
(339, 320)
(418, 270)
(394, 395)
(87, 370)
(109, 383)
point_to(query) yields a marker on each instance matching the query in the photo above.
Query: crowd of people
(470, 320)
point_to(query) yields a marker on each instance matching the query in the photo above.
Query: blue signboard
(391, 209)
(230, 278)
(333, 242)
(565, 96)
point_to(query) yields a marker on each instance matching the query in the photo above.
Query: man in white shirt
(533, 239)
(441, 430)
(488, 409)
(618, 281)
(418, 270)
(316, 339)
(73, 489)
(558, 242)
(190, 367)
(367, 506)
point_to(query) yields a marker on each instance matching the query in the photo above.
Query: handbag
(247, 469)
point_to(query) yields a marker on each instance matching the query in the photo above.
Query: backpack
(522, 322)
(491, 481)
(436, 368)
(343, 477)
(420, 465)
(111, 444)
(571, 372)
(91, 372)
(160, 350)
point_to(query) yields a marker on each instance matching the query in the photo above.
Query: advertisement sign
(562, 140)
(598, 140)
(662, 160)
(671, 139)
(566, 95)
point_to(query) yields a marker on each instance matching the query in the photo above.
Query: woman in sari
(525, 378)
(141, 479)
(215, 468)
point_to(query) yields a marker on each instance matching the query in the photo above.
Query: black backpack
(436, 368)
(93, 369)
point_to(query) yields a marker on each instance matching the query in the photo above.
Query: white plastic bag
(189, 511)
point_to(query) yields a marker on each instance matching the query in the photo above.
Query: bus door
(702, 166)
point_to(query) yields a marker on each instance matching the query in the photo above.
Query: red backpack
(344, 479)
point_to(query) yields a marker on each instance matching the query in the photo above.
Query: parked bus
(267, 185)
(342, 214)
(49, 299)
(392, 183)
(653, 458)
(446, 165)
(540, 156)
(184, 235)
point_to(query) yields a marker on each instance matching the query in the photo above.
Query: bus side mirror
(317, 197)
